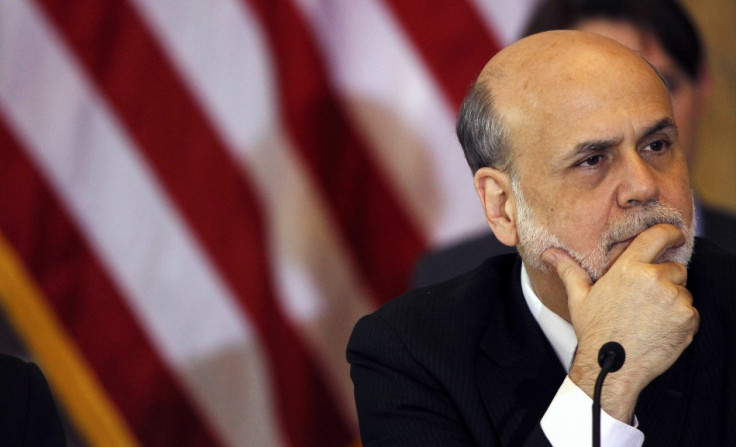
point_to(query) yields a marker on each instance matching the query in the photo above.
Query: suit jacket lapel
(517, 371)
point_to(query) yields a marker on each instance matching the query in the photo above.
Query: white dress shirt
(569, 418)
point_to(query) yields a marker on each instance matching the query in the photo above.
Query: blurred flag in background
(200, 198)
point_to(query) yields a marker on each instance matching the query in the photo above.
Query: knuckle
(671, 292)
(685, 313)
(680, 268)
(696, 320)
(650, 274)
(682, 273)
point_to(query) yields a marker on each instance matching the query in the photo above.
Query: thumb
(576, 280)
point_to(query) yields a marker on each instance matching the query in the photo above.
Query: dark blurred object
(28, 415)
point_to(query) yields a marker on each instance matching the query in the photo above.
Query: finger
(696, 321)
(652, 242)
(692, 311)
(674, 272)
(670, 272)
(576, 280)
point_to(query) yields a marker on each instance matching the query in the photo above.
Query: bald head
(548, 65)
(539, 59)
(536, 80)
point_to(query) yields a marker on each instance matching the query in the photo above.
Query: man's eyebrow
(592, 147)
(663, 124)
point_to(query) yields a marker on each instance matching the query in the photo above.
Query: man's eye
(657, 146)
(592, 161)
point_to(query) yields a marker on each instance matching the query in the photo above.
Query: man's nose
(638, 183)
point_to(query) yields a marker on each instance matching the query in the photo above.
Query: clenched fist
(639, 303)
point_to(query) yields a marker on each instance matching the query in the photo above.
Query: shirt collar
(559, 332)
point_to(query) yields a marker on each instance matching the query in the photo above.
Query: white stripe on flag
(189, 314)
(313, 274)
(220, 49)
(505, 19)
(381, 78)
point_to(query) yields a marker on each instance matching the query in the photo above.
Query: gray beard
(534, 239)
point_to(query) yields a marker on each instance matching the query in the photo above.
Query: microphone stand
(611, 358)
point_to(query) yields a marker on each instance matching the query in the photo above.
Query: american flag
(200, 198)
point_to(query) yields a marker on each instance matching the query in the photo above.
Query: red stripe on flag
(90, 307)
(457, 54)
(209, 189)
(385, 242)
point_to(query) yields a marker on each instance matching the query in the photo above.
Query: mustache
(644, 217)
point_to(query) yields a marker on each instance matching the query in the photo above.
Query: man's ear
(495, 193)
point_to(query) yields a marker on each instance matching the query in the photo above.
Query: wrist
(618, 396)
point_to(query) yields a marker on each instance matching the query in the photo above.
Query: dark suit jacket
(465, 363)
(453, 260)
(28, 416)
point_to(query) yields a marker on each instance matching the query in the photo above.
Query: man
(662, 32)
(577, 162)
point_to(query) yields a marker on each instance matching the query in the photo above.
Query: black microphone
(611, 358)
